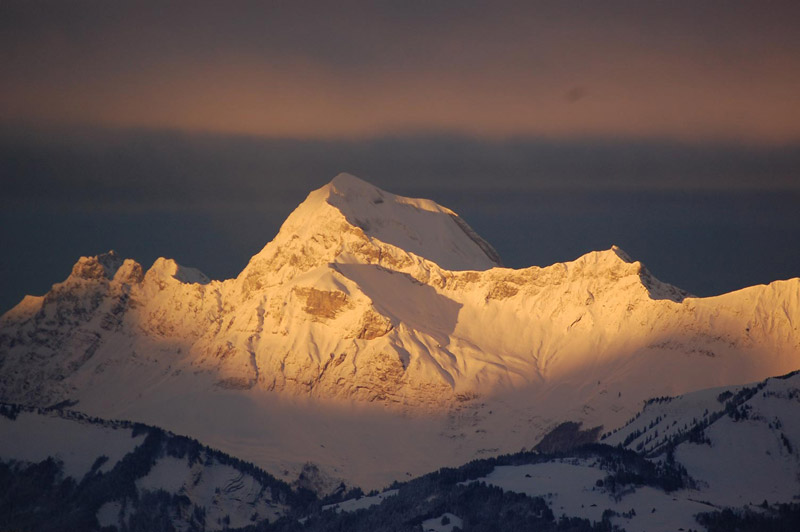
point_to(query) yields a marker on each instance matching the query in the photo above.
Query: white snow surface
(109, 514)
(745, 461)
(221, 490)
(376, 336)
(569, 487)
(419, 226)
(351, 505)
(35, 437)
(435, 524)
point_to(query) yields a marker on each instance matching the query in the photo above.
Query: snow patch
(351, 505)
(444, 523)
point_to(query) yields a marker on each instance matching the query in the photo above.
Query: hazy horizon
(706, 218)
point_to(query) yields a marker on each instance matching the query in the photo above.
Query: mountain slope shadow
(405, 300)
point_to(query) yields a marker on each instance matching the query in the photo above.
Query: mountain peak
(657, 289)
(355, 220)
(419, 226)
(349, 184)
(167, 269)
(101, 266)
(620, 253)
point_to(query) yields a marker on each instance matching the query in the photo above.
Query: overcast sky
(191, 129)
(684, 69)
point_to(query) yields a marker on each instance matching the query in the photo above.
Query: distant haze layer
(708, 218)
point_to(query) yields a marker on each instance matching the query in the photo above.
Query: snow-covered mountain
(721, 459)
(62, 470)
(375, 325)
(741, 444)
(715, 459)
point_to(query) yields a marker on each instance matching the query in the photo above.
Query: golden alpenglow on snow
(593, 324)
(379, 336)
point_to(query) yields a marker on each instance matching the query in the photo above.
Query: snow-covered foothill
(202, 487)
(571, 488)
(351, 505)
(33, 437)
(221, 489)
(742, 444)
(735, 446)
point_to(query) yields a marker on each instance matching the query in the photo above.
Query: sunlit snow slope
(368, 297)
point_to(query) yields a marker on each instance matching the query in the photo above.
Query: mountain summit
(418, 226)
(368, 297)
(350, 220)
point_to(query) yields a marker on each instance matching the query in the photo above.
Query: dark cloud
(93, 169)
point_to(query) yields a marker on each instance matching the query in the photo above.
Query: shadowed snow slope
(739, 443)
(365, 297)
(107, 474)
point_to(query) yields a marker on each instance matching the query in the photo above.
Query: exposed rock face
(369, 296)
(322, 304)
